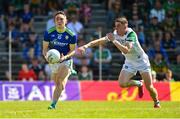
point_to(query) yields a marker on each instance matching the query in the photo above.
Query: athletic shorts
(56, 66)
(133, 69)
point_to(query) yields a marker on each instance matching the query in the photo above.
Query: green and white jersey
(136, 56)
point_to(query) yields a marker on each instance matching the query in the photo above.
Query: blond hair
(122, 20)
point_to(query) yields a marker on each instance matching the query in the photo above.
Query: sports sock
(53, 104)
(156, 102)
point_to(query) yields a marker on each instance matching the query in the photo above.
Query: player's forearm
(45, 51)
(95, 42)
(45, 48)
(121, 47)
(70, 54)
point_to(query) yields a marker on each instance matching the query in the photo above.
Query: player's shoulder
(50, 30)
(130, 32)
(69, 32)
(131, 35)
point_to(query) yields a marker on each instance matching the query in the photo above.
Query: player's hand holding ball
(62, 58)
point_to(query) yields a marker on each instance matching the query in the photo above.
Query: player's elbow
(126, 49)
(125, 52)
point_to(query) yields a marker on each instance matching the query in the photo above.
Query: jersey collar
(61, 30)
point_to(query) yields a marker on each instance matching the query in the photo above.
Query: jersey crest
(66, 37)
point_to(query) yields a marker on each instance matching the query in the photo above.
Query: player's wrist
(65, 58)
(45, 57)
(86, 46)
(62, 59)
(107, 38)
(114, 41)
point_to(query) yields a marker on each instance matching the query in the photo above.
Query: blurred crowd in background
(156, 23)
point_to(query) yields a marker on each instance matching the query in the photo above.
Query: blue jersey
(60, 40)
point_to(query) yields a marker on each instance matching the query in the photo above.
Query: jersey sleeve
(131, 37)
(73, 39)
(46, 36)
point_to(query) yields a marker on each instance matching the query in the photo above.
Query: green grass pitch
(88, 109)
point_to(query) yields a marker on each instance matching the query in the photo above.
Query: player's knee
(60, 86)
(57, 84)
(122, 84)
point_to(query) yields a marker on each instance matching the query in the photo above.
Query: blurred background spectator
(37, 68)
(168, 43)
(83, 59)
(106, 60)
(175, 67)
(158, 11)
(36, 7)
(75, 25)
(85, 73)
(27, 17)
(32, 47)
(15, 41)
(26, 74)
(157, 48)
(114, 11)
(85, 13)
(50, 23)
(161, 68)
(2, 24)
(72, 7)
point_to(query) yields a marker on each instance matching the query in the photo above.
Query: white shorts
(133, 69)
(56, 66)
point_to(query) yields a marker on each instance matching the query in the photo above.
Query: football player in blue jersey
(62, 39)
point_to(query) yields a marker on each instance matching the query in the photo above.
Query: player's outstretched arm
(96, 42)
(72, 53)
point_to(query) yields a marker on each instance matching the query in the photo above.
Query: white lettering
(59, 43)
(35, 93)
(47, 92)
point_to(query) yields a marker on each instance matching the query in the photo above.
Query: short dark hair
(122, 20)
(59, 12)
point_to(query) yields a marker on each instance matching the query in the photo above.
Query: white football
(53, 56)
